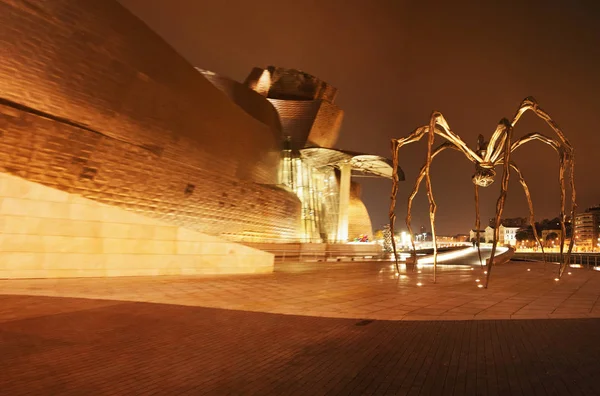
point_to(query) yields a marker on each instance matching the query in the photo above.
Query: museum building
(118, 157)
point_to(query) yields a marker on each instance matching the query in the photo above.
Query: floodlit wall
(305, 105)
(297, 118)
(95, 64)
(249, 100)
(47, 233)
(359, 221)
(96, 104)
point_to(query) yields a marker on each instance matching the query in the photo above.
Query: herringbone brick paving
(91, 347)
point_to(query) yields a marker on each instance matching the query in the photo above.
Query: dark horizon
(395, 62)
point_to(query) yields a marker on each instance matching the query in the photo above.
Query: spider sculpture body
(486, 157)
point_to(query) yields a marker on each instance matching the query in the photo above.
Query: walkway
(356, 290)
(314, 329)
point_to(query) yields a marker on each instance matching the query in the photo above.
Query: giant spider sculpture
(485, 158)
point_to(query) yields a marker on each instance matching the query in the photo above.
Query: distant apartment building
(473, 234)
(587, 227)
(507, 235)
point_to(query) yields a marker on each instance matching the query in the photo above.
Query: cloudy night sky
(394, 62)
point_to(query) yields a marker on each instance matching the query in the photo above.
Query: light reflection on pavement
(366, 290)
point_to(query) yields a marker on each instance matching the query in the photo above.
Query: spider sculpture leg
(424, 173)
(573, 198)
(566, 159)
(437, 125)
(415, 190)
(502, 198)
(477, 224)
(416, 135)
(530, 204)
(409, 212)
(432, 205)
(392, 215)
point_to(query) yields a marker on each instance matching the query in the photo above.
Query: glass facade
(318, 192)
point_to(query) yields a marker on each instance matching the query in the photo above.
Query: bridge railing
(585, 260)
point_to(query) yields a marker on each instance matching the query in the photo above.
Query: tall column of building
(344, 201)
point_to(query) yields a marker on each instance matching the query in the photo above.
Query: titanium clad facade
(359, 221)
(95, 103)
(249, 100)
(305, 105)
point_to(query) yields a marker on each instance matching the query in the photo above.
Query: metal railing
(586, 260)
(284, 255)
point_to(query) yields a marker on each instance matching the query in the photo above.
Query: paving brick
(161, 336)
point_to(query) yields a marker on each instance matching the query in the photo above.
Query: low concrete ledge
(319, 251)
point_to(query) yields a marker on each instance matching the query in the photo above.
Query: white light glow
(480, 286)
(454, 255)
(477, 280)
(419, 284)
(556, 279)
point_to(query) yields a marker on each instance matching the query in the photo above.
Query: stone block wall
(47, 233)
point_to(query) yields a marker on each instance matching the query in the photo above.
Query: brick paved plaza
(307, 329)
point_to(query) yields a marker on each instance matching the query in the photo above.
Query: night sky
(395, 61)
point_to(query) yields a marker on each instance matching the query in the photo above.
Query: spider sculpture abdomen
(483, 176)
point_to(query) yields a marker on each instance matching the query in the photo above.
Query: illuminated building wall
(359, 222)
(587, 229)
(310, 118)
(49, 233)
(95, 104)
(305, 105)
(506, 235)
(318, 193)
(250, 101)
